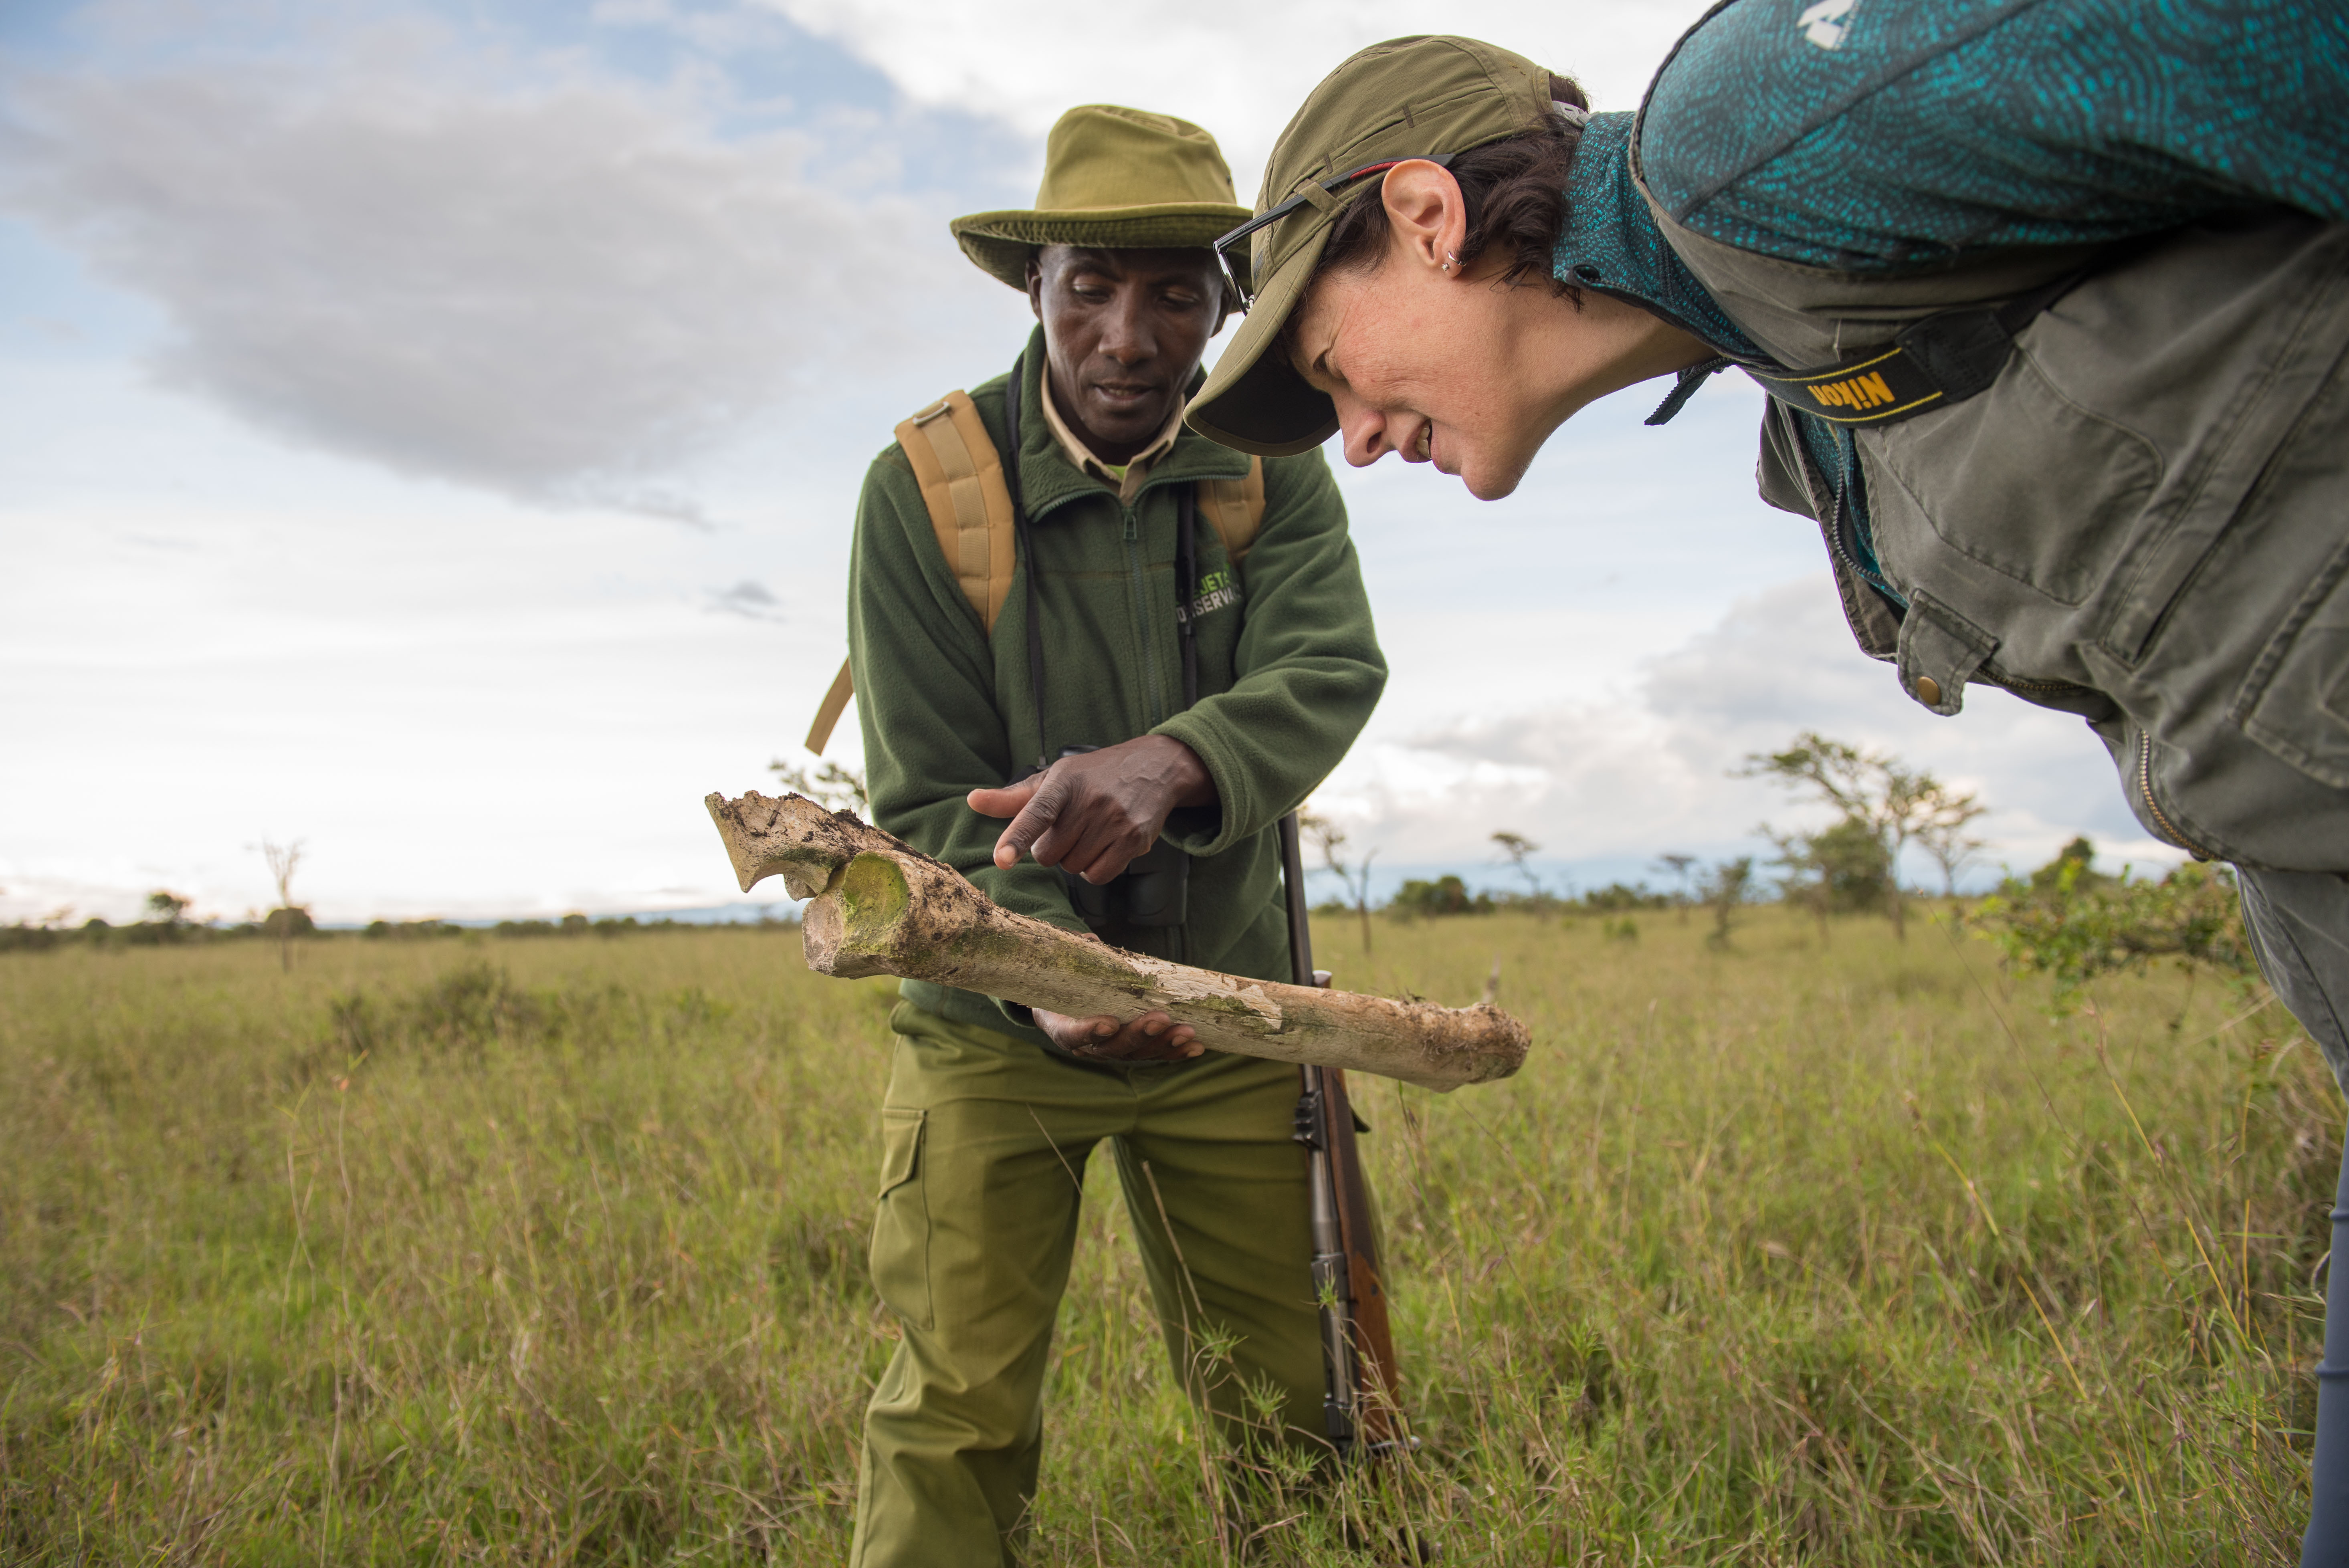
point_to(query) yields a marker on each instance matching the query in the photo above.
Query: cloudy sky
(434, 429)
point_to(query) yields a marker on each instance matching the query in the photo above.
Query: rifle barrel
(1292, 877)
(1333, 1265)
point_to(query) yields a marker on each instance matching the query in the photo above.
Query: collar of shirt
(1611, 242)
(1127, 482)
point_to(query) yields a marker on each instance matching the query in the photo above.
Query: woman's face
(1452, 367)
(1425, 368)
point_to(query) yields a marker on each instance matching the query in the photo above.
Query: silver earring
(1451, 260)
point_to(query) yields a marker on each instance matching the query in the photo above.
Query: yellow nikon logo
(1867, 391)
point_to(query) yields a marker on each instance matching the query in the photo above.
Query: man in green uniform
(1218, 678)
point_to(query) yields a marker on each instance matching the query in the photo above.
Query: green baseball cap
(1429, 97)
(1115, 179)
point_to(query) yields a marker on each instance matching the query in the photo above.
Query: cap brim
(1255, 401)
(1000, 244)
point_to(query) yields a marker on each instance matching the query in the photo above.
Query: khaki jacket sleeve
(1308, 670)
(925, 696)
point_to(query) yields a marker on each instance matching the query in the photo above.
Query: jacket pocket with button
(1940, 651)
(2024, 481)
(900, 1221)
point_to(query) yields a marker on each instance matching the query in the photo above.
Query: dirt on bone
(783, 834)
(878, 906)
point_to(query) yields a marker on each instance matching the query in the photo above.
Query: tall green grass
(554, 1252)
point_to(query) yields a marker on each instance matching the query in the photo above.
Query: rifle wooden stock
(878, 906)
(1377, 1376)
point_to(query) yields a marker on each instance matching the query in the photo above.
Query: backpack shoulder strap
(828, 712)
(1234, 510)
(961, 476)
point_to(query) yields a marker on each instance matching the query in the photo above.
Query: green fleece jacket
(1289, 669)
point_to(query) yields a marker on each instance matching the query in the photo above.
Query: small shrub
(1616, 897)
(2073, 926)
(1445, 895)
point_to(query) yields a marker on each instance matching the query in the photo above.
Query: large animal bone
(881, 907)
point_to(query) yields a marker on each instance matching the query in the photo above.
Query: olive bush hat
(1114, 178)
(1429, 97)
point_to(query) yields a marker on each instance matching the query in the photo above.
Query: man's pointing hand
(1093, 813)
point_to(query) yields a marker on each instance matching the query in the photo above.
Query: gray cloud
(749, 600)
(1652, 770)
(553, 294)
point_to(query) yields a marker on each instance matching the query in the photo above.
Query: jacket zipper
(1141, 601)
(2145, 788)
(2009, 683)
(1833, 526)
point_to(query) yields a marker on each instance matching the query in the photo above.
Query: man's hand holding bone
(1092, 814)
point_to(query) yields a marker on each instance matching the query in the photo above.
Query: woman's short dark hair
(1515, 190)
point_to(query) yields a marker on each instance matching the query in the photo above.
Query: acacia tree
(1879, 797)
(827, 783)
(1723, 889)
(1514, 848)
(1839, 869)
(1329, 839)
(288, 920)
(1943, 835)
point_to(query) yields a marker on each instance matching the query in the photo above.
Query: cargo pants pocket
(900, 1221)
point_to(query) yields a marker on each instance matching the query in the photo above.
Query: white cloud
(464, 707)
(1241, 76)
(560, 293)
(1651, 769)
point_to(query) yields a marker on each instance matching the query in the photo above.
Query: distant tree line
(2064, 919)
(175, 928)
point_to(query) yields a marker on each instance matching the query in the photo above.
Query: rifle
(1358, 1355)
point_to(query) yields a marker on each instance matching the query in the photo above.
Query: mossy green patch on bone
(1240, 1011)
(874, 899)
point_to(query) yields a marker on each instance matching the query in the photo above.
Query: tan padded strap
(961, 476)
(844, 686)
(1235, 509)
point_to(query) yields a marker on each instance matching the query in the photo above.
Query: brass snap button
(1928, 690)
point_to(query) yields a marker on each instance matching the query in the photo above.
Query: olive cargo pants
(984, 1144)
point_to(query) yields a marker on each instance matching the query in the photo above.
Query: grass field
(553, 1252)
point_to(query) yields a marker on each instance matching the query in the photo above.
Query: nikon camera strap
(1930, 363)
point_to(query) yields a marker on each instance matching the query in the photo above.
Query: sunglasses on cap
(1237, 289)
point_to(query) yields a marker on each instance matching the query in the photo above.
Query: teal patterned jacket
(1883, 136)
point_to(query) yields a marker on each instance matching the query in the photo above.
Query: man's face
(1124, 330)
